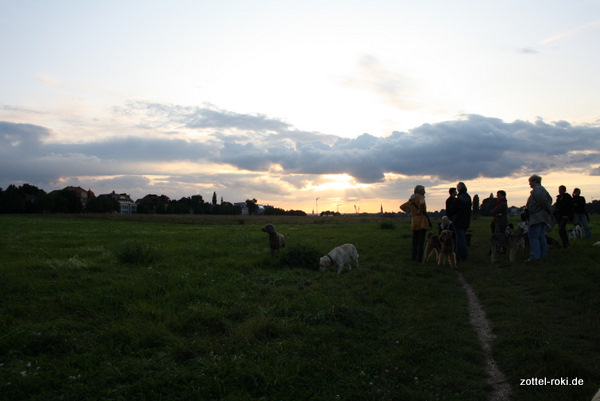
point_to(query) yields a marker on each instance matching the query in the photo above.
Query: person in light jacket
(420, 223)
(539, 209)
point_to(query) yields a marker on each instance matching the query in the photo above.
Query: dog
(433, 245)
(509, 241)
(447, 249)
(575, 233)
(276, 240)
(339, 257)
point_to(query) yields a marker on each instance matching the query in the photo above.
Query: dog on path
(276, 240)
(339, 257)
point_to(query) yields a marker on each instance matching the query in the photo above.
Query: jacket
(539, 206)
(461, 210)
(500, 213)
(418, 210)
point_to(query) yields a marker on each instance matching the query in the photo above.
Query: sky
(312, 105)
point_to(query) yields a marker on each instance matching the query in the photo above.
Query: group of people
(540, 216)
(458, 215)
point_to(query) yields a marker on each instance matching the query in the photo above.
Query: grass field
(195, 308)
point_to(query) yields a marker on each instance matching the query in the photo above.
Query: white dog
(575, 233)
(341, 256)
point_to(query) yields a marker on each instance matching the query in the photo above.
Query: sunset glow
(351, 103)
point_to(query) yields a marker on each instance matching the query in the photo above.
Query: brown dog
(510, 242)
(433, 245)
(276, 240)
(447, 249)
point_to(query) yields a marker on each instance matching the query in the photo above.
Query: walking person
(420, 223)
(580, 215)
(563, 212)
(539, 209)
(461, 211)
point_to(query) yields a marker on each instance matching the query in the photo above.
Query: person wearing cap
(420, 223)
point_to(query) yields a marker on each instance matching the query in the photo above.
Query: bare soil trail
(501, 387)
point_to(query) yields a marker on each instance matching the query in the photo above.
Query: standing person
(461, 210)
(420, 221)
(580, 215)
(450, 201)
(500, 213)
(563, 212)
(539, 209)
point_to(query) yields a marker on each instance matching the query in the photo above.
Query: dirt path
(501, 388)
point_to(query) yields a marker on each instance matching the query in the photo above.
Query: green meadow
(195, 308)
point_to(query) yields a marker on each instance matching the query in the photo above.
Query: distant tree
(593, 207)
(227, 208)
(476, 204)
(181, 206)
(65, 201)
(252, 206)
(296, 213)
(198, 205)
(102, 204)
(487, 206)
(214, 199)
(13, 200)
(273, 211)
(330, 213)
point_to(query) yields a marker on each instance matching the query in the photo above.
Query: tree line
(30, 199)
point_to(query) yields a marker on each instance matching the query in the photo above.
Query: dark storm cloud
(475, 146)
(21, 137)
(134, 149)
(158, 115)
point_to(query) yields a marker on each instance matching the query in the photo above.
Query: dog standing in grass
(447, 249)
(433, 246)
(276, 240)
(340, 256)
(510, 242)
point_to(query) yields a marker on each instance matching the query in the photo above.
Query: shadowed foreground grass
(183, 308)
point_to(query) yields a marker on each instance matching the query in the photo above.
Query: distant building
(153, 203)
(243, 207)
(260, 209)
(127, 205)
(82, 194)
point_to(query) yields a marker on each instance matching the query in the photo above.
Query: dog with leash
(339, 257)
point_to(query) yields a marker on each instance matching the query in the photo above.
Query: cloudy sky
(351, 102)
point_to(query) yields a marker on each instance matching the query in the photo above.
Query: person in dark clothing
(563, 212)
(449, 201)
(500, 213)
(461, 210)
(580, 215)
